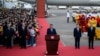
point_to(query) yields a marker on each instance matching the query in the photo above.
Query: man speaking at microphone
(51, 30)
(52, 46)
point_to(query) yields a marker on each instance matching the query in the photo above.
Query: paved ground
(58, 18)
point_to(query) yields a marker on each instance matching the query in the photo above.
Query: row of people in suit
(23, 33)
(78, 34)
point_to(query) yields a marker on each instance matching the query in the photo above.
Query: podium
(52, 42)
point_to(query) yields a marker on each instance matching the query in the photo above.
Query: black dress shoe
(10, 47)
(89, 48)
(75, 47)
(78, 47)
(7, 47)
(24, 47)
(21, 48)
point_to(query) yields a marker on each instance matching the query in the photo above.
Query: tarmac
(57, 17)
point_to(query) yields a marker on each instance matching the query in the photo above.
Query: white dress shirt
(68, 14)
(32, 32)
(78, 29)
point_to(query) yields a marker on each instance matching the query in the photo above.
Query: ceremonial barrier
(52, 42)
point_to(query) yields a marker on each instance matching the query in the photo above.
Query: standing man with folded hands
(77, 35)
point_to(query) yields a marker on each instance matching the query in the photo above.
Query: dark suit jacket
(51, 32)
(23, 32)
(77, 33)
(91, 33)
(9, 32)
(19, 25)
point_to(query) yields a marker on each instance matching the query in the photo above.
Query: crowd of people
(18, 26)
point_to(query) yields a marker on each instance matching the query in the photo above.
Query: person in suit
(19, 25)
(91, 35)
(77, 35)
(4, 31)
(1, 34)
(9, 34)
(51, 30)
(23, 35)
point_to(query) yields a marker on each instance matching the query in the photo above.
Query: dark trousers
(35, 12)
(73, 19)
(77, 42)
(8, 42)
(1, 39)
(67, 19)
(23, 42)
(17, 40)
(91, 42)
(4, 40)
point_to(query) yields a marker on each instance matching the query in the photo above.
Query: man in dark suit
(9, 34)
(23, 34)
(51, 30)
(1, 34)
(19, 25)
(4, 31)
(77, 35)
(91, 35)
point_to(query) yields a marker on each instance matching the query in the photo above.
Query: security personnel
(77, 35)
(9, 34)
(91, 34)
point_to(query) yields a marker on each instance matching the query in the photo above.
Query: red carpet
(39, 50)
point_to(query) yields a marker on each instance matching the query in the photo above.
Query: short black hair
(51, 24)
(30, 27)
